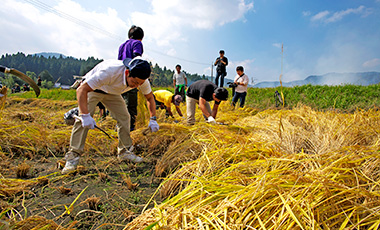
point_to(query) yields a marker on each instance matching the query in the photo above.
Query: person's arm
(178, 111)
(174, 82)
(151, 104)
(245, 80)
(202, 106)
(154, 127)
(169, 110)
(137, 49)
(216, 61)
(82, 92)
(215, 110)
(186, 83)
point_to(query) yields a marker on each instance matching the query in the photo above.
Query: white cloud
(320, 16)
(308, 13)
(372, 63)
(170, 18)
(66, 28)
(340, 57)
(329, 17)
(277, 45)
(247, 65)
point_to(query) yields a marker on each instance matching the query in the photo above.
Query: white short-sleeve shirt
(179, 78)
(109, 76)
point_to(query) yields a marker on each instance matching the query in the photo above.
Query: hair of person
(135, 32)
(221, 93)
(240, 68)
(221, 51)
(178, 65)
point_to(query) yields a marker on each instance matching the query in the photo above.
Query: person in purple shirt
(132, 48)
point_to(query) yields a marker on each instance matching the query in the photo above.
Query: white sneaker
(71, 165)
(127, 155)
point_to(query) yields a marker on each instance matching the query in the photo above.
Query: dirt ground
(102, 194)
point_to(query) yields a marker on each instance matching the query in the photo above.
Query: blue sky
(318, 37)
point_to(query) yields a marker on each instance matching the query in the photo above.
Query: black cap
(138, 67)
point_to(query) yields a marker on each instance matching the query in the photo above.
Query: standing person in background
(241, 82)
(179, 82)
(39, 81)
(132, 48)
(221, 62)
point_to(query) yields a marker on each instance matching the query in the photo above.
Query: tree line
(62, 69)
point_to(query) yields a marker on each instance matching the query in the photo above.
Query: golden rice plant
(316, 170)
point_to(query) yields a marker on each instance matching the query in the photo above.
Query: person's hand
(153, 125)
(88, 121)
(211, 120)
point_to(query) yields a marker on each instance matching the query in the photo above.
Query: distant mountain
(47, 55)
(363, 78)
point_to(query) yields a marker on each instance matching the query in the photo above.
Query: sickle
(23, 77)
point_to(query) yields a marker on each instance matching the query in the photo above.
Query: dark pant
(180, 92)
(238, 96)
(221, 75)
(130, 98)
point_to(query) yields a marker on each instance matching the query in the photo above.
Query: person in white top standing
(179, 82)
(241, 82)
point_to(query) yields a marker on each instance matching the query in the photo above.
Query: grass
(311, 166)
(319, 171)
(342, 98)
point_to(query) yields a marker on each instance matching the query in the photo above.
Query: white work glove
(211, 120)
(88, 121)
(153, 125)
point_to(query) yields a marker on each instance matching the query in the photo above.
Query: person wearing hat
(165, 98)
(201, 92)
(105, 83)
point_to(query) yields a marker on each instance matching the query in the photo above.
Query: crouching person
(105, 83)
(165, 99)
(201, 92)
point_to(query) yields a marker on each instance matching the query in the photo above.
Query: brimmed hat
(177, 99)
(138, 67)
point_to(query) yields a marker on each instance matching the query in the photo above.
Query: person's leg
(116, 105)
(119, 112)
(217, 78)
(130, 99)
(176, 90)
(190, 106)
(132, 107)
(235, 99)
(182, 93)
(222, 75)
(242, 99)
(78, 136)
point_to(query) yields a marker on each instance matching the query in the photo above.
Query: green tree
(45, 75)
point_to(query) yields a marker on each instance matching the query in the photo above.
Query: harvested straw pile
(297, 169)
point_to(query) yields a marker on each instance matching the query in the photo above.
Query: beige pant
(118, 110)
(191, 104)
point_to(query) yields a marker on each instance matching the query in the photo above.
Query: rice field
(258, 169)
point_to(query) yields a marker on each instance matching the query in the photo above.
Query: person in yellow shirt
(164, 100)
